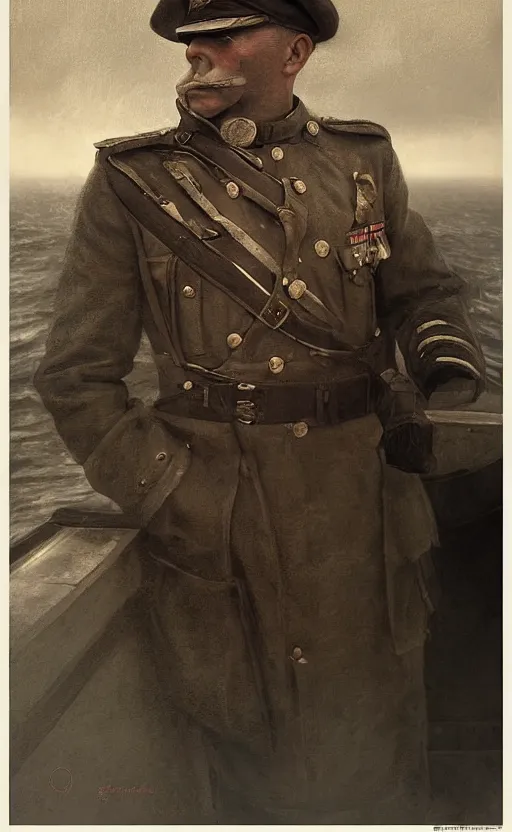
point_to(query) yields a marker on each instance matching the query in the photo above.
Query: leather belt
(329, 403)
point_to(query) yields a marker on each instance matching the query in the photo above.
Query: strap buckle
(245, 409)
(326, 404)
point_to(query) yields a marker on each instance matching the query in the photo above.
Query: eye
(213, 37)
(222, 40)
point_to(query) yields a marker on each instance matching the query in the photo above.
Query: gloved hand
(408, 434)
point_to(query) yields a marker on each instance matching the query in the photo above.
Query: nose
(198, 56)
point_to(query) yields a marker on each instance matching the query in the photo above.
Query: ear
(298, 53)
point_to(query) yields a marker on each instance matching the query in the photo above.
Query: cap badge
(196, 5)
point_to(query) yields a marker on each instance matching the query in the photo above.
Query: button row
(160, 457)
(296, 288)
(276, 365)
(234, 340)
(299, 185)
(233, 190)
(300, 429)
(322, 248)
(298, 656)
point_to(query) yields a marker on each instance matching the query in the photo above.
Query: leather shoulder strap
(163, 219)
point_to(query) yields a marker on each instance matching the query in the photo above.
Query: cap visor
(223, 24)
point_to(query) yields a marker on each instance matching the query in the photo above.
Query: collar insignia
(240, 132)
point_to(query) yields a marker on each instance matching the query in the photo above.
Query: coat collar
(270, 132)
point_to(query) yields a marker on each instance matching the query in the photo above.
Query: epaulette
(134, 142)
(365, 128)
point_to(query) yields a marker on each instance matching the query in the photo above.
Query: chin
(210, 104)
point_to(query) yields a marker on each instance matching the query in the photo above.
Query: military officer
(273, 260)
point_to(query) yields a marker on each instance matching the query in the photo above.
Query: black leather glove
(408, 434)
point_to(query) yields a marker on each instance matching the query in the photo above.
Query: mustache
(211, 80)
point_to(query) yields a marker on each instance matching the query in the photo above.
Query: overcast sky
(429, 70)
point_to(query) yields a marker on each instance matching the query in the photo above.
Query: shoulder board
(365, 128)
(133, 142)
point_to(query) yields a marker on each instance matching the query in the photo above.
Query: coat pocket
(179, 292)
(409, 535)
(357, 298)
(138, 463)
(186, 293)
(202, 316)
(204, 652)
(193, 523)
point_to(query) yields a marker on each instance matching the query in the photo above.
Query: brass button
(234, 340)
(188, 385)
(143, 483)
(300, 429)
(161, 457)
(188, 291)
(322, 248)
(299, 186)
(377, 332)
(277, 154)
(313, 128)
(233, 190)
(296, 289)
(276, 364)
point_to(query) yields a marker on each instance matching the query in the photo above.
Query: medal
(366, 196)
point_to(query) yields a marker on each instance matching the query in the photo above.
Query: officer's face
(247, 64)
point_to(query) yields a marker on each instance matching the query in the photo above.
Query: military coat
(290, 608)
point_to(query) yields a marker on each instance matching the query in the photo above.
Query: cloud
(85, 70)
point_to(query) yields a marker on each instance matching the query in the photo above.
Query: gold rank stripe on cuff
(451, 338)
(445, 359)
(430, 324)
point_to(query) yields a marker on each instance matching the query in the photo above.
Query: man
(273, 261)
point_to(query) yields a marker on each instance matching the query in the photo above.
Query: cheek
(229, 62)
(259, 77)
(260, 68)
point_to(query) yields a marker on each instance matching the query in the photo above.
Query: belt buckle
(245, 408)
